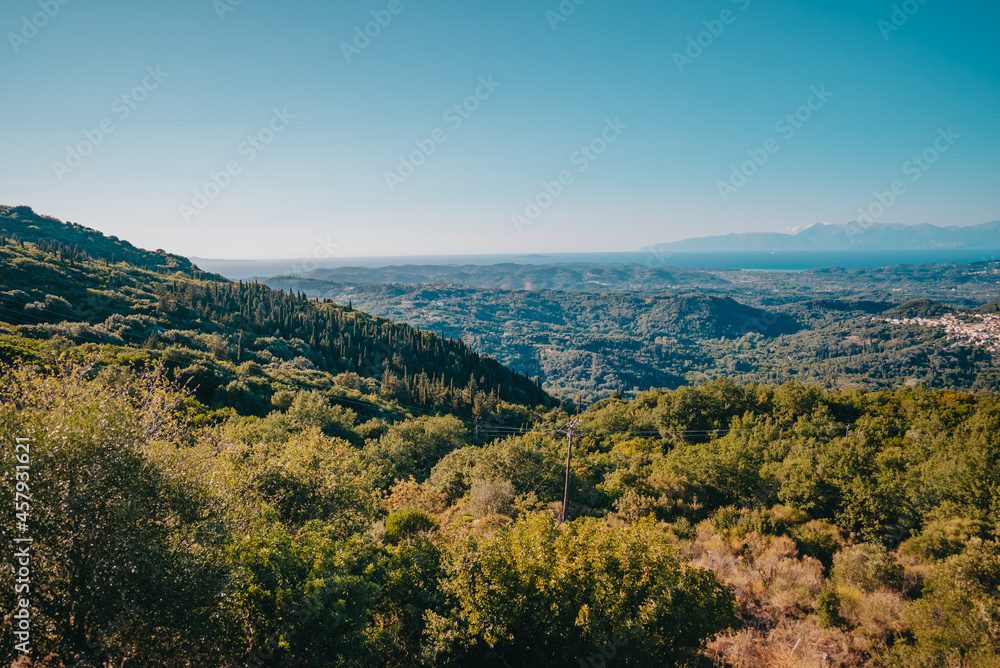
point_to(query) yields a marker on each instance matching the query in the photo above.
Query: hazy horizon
(556, 252)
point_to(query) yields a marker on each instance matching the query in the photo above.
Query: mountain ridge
(848, 236)
(63, 280)
(23, 224)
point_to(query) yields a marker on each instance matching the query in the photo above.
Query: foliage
(303, 598)
(413, 447)
(828, 609)
(945, 534)
(225, 474)
(958, 619)
(867, 567)
(590, 332)
(406, 523)
(124, 558)
(540, 594)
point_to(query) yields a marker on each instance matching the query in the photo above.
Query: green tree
(304, 598)
(124, 563)
(543, 594)
(406, 523)
(957, 622)
(413, 447)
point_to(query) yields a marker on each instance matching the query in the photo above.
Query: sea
(747, 260)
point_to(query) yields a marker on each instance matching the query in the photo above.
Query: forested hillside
(219, 474)
(589, 345)
(207, 329)
(73, 242)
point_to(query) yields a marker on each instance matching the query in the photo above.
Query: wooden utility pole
(570, 432)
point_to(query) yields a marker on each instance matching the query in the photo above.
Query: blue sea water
(750, 260)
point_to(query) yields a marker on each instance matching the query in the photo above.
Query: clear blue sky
(323, 177)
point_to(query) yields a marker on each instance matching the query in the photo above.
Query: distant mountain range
(850, 236)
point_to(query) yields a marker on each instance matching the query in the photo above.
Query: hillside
(955, 283)
(570, 276)
(74, 242)
(591, 345)
(582, 345)
(74, 285)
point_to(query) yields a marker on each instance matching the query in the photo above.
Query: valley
(591, 331)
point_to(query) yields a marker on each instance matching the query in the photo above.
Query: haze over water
(755, 260)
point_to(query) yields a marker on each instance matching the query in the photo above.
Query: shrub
(308, 477)
(632, 506)
(282, 399)
(311, 409)
(867, 567)
(958, 620)
(819, 540)
(491, 497)
(539, 593)
(113, 519)
(406, 523)
(413, 447)
(828, 609)
(734, 522)
(349, 380)
(942, 538)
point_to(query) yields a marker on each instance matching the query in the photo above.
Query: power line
(570, 431)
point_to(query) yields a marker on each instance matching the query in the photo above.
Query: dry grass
(771, 581)
(790, 644)
(879, 615)
(777, 590)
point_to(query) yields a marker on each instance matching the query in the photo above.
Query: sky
(304, 129)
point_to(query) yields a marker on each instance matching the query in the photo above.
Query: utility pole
(570, 431)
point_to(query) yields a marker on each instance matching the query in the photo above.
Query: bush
(828, 609)
(734, 522)
(406, 523)
(539, 593)
(115, 522)
(130, 328)
(282, 399)
(942, 538)
(491, 497)
(349, 380)
(413, 447)
(303, 597)
(302, 477)
(867, 567)
(958, 620)
(633, 507)
(311, 409)
(818, 540)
